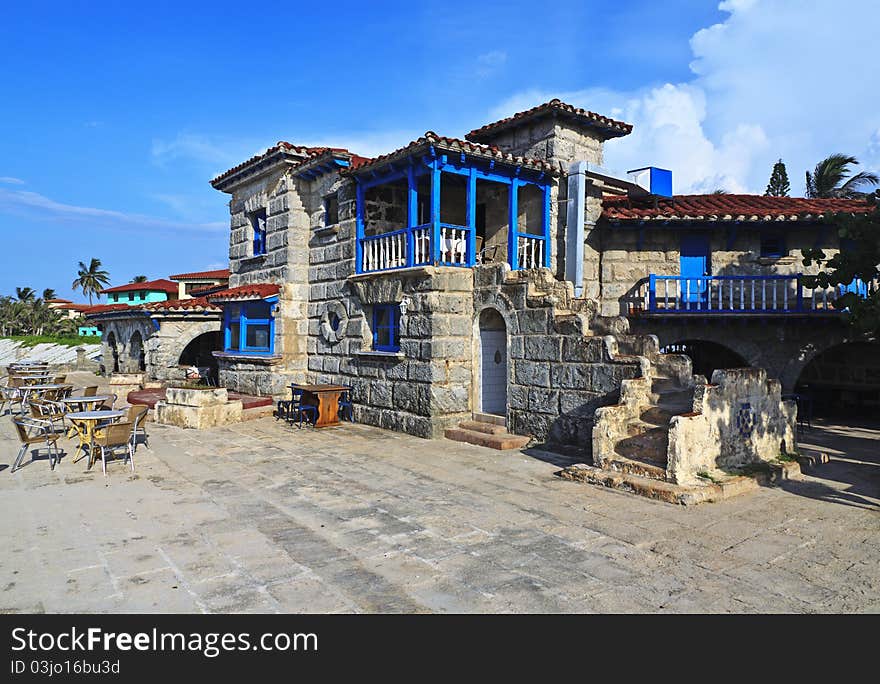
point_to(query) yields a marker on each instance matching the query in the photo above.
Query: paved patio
(260, 517)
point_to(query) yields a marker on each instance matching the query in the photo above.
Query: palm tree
(25, 294)
(91, 279)
(138, 279)
(48, 294)
(829, 178)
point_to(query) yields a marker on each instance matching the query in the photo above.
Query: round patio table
(85, 402)
(27, 390)
(86, 431)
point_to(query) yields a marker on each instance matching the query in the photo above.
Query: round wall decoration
(334, 321)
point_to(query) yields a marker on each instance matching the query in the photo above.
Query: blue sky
(118, 114)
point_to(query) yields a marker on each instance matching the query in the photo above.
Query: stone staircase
(486, 430)
(635, 433)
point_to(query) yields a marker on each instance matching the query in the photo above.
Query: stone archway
(843, 379)
(136, 355)
(199, 353)
(707, 356)
(111, 365)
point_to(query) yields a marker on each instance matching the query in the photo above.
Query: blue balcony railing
(413, 246)
(732, 294)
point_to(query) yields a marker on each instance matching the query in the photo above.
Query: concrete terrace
(259, 517)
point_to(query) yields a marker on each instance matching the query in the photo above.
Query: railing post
(359, 230)
(512, 236)
(800, 293)
(546, 226)
(435, 212)
(412, 214)
(472, 217)
(652, 293)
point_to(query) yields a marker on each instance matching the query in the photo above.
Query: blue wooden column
(512, 235)
(472, 217)
(359, 229)
(412, 213)
(547, 226)
(435, 212)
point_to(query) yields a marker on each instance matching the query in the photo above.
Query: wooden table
(326, 398)
(86, 432)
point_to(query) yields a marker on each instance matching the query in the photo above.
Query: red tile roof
(219, 274)
(612, 127)
(305, 154)
(58, 301)
(161, 285)
(106, 308)
(172, 305)
(73, 307)
(454, 145)
(255, 291)
(728, 208)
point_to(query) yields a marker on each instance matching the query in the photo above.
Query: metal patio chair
(31, 431)
(137, 416)
(293, 409)
(112, 438)
(346, 406)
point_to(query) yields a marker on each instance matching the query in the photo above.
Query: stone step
(638, 468)
(675, 397)
(660, 416)
(659, 384)
(501, 441)
(490, 418)
(640, 427)
(649, 447)
(480, 426)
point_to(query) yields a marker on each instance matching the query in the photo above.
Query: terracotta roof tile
(161, 285)
(106, 308)
(198, 275)
(280, 146)
(193, 304)
(254, 291)
(613, 127)
(455, 145)
(728, 208)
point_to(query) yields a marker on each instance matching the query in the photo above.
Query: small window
(386, 318)
(258, 223)
(331, 210)
(772, 246)
(115, 297)
(249, 327)
(131, 296)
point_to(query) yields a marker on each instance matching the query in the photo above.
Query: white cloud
(9, 180)
(490, 62)
(194, 147)
(32, 204)
(777, 78)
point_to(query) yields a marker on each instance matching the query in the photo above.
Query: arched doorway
(198, 353)
(493, 363)
(843, 380)
(114, 352)
(706, 356)
(136, 352)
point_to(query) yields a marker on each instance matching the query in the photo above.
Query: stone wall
(551, 139)
(738, 420)
(291, 206)
(782, 347)
(559, 373)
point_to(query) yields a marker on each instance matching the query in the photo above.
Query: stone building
(484, 289)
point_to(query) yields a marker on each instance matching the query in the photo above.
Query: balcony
(445, 210)
(734, 295)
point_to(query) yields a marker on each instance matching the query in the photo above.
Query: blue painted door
(694, 265)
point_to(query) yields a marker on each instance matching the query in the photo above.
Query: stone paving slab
(262, 517)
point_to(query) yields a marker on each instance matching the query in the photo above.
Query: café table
(85, 403)
(326, 399)
(28, 390)
(85, 423)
